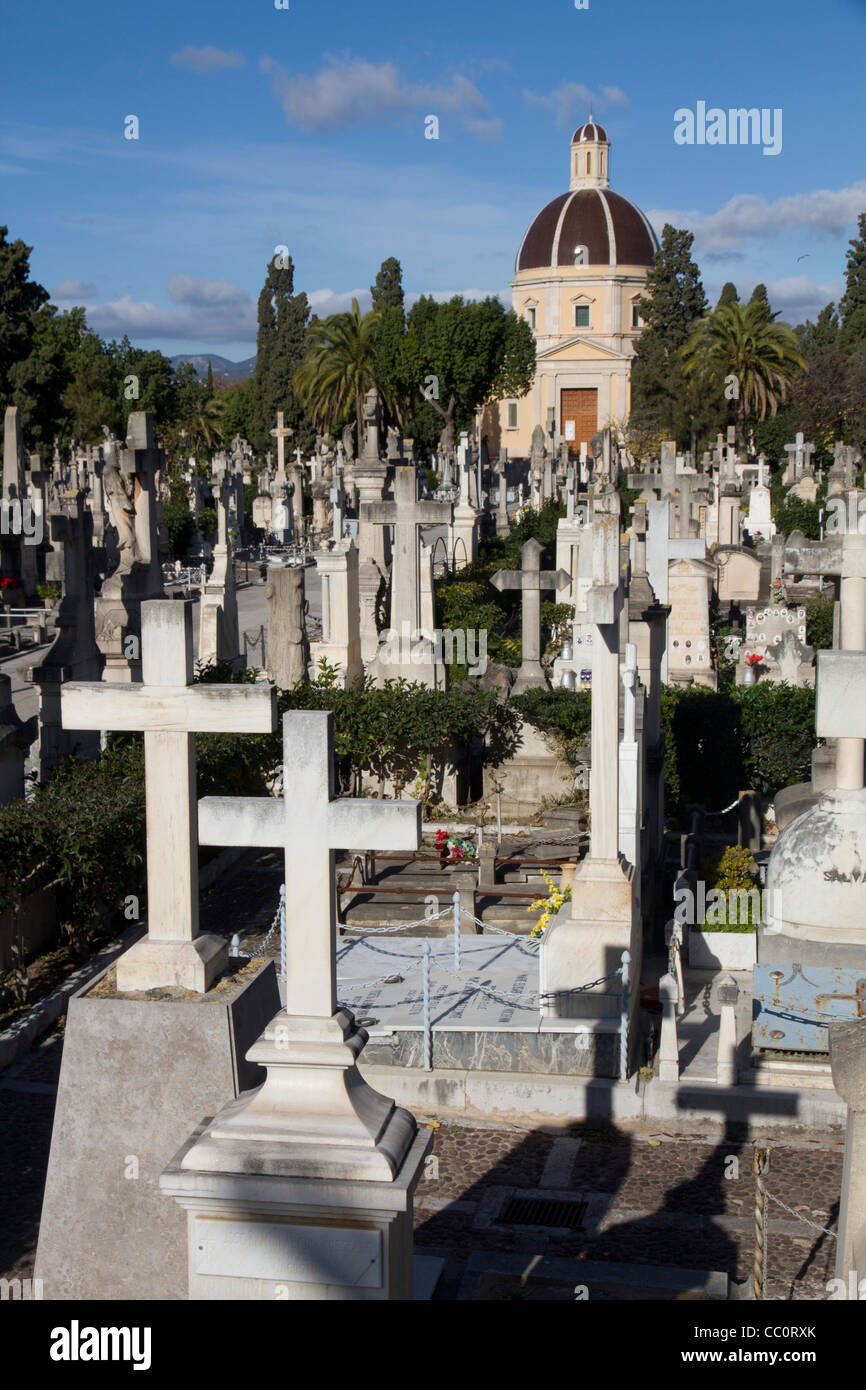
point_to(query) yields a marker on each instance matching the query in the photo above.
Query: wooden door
(581, 407)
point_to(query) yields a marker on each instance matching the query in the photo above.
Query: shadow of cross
(530, 579)
(308, 824)
(168, 709)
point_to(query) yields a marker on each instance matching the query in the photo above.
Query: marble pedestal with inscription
(259, 1236)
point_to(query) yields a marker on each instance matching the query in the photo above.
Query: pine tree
(662, 402)
(852, 305)
(282, 325)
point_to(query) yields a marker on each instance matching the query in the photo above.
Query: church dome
(613, 230)
(588, 225)
(590, 131)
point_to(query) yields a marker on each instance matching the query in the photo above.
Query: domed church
(581, 269)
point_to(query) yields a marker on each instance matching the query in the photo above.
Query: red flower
(754, 659)
(10, 583)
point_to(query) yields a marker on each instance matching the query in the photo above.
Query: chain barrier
(805, 1220)
(726, 810)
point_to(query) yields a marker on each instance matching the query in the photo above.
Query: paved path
(651, 1199)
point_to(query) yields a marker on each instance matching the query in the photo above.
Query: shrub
(564, 714)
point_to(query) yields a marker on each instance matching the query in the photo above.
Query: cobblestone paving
(662, 1200)
(653, 1200)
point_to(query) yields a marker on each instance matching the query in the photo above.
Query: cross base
(314, 1116)
(586, 940)
(192, 965)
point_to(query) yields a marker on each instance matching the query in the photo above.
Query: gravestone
(219, 637)
(129, 482)
(140, 1069)
(530, 579)
(340, 643)
(282, 510)
(690, 584)
(73, 655)
(288, 650)
(315, 1147)
(586, 939)
(407, 650)
(373, 549)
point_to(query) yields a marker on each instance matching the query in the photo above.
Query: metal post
(455, 898)
(428, 1036)
(283, 931)
(760, 1168)
(623, 1019)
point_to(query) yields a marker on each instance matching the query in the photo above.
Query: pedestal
(302, 1190)
(138, 1075)
(586, 940)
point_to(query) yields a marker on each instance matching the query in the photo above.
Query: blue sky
(304, 127)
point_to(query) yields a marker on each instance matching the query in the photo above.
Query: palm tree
(338, 368)
(745, 342)
(204, 424)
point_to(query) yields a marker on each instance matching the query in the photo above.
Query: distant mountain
(235, 371)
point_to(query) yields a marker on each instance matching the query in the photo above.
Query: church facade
(580, 272)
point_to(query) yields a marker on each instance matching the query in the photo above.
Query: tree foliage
(282, 326)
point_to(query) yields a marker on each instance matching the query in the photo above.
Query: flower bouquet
(548, 907)
(452, 850)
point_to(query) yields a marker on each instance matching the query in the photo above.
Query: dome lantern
(590, 157)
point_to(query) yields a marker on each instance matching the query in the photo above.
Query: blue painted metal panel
(793, 1004)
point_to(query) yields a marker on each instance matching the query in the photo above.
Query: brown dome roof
(590, 131)
(613, 230)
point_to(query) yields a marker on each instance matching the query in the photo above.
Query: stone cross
(530, 579)
(569, 495)
(308, 824)
(281, 434)
(842, 554)
(338, 503)
(603, 606)
(169, 710)
(799, 455)
(628, 675)
(13, 455)
(407, 515)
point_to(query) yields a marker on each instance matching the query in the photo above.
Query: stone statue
(348, 440)
(121, 491)
(536, 456)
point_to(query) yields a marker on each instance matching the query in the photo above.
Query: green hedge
(718, 743)
(564, 714)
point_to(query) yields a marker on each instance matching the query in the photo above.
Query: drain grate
(543, 1211)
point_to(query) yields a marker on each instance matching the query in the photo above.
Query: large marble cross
(530, 579)
(169, 710)
(308, 824)
(281, 434)
(407, 515)
(840, 710)
(799, 454)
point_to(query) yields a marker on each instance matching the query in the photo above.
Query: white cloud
(565, 100)
(490, 129)
(213, 310)
(206, 59)
(74, 291)
(187, 289)
(746, 216)
(351, 91)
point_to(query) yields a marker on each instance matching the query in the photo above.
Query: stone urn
(750, 676)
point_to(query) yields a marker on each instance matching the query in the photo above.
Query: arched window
(530, 316)
(589, 163)
(601, 162)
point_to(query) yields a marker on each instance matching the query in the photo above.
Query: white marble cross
(281, 434)
(840, 710)
(799, 453)
(569, 495)
(407, 515)
(169, 710)
(308, 824)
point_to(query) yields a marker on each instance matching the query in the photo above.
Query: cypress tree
(662, 401)
(852, 305)
(283, 317)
